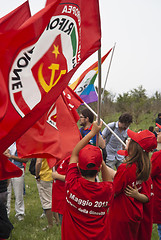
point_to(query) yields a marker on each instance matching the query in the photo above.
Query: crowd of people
(109, 191)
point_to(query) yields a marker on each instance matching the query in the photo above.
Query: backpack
(32, 166)
(5, 224)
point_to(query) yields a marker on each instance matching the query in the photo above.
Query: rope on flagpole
(105, 124)
(108, 72)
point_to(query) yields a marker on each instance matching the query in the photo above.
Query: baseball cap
(158, 125)
(122, 152)
(90, 154)
(145, 139)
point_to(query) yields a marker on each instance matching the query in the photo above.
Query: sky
(134, 25)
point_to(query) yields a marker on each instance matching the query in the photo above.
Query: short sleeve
(105, 131)
(156, 164)
(120, 179)
(147, 188)
(72, 175)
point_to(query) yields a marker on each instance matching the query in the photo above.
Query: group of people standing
(128, 189)
(118, 207)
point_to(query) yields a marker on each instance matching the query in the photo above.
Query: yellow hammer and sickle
(53, 67)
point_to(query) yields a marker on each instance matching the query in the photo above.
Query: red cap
(145, 139)
(158, 125)
(123, 152)
(90, 154)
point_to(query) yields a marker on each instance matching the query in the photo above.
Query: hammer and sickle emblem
(53, 67)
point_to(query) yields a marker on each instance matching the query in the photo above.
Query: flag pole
(105, 124)
(99, 86)
(99, 92)
(108, 72)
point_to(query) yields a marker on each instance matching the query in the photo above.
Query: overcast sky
(135, 27)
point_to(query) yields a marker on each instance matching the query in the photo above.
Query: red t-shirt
(146, 224)
(85, 215)
(58, 188)
(125, 213)
(156, 178)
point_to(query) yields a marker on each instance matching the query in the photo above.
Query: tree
(133, 102)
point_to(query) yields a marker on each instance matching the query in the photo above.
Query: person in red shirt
(156, 178)
(58, 188)
(146, 223)
(87, 201)
(125, 212)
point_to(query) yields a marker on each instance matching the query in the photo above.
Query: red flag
(16, 18)
(75, 28)
(73, 101)
(55, 135)
(8, 169)
(3, 97)
(12, 20)
(48, 2)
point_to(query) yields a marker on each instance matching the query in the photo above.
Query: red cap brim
(123, 152)
(158, 125)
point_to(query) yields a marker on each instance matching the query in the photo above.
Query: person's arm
(56, 175)
(38, 168)
(104, 133)
(101, 142)
(22, 160)
(133, 192)
(107, 172)
(7, 153)
(84, 141)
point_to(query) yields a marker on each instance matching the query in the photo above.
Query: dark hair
(141, 158)
(159, 115)
(89, 173)
(125, 118)
(87, 113)
(151, 128)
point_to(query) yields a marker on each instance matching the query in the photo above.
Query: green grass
(31, 227)
(145, 121)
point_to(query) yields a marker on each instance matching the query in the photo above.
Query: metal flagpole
(105, 124)
(108, 72)
(99, 92)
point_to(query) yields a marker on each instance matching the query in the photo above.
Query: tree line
(135, 101)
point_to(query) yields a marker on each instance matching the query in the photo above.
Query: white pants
(45, 193)
(17, 183)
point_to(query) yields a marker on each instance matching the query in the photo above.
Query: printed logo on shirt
(73, 201)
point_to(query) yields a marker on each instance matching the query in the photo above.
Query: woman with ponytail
(126, 212)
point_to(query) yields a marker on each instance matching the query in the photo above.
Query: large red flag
(3, 97)
(55, 135)
(12, 20)
(36, 76)
(15, 18)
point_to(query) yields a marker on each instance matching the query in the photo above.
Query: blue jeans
(159, 230)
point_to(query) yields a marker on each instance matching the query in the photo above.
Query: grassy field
(31, 227)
